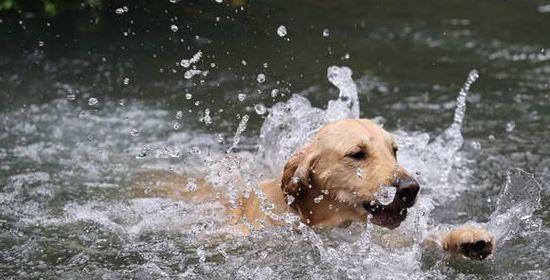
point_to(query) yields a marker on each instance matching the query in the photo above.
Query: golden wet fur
(330, 182)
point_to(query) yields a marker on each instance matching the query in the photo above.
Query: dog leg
(170, 185)
(473, 242)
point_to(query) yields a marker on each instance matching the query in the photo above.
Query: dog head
(337, 178)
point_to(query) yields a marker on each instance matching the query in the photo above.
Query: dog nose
(407, 191)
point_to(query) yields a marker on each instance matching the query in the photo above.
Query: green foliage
(6, 4)
(50, 7)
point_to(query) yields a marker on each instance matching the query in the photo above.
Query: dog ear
(297, 174)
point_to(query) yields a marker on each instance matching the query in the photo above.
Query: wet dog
(334, 180)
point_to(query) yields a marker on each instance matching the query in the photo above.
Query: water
(74, 135)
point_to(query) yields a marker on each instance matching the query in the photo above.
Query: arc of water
(461, 99)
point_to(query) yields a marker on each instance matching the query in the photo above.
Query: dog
(332, 182)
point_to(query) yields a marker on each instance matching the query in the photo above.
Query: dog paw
(469, 241)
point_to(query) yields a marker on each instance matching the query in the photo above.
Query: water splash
(420, 155)
(341, 78)
(174, 238)
(385, 194)
(452, 137)
(240, 129)
(519, 198)
(460, 110)
(194, 72)
(186, 63)
(290, 124)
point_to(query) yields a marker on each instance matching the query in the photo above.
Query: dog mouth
(389, 216)
(478, 250)
(394, 211)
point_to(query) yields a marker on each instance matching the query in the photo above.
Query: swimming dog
(332, 181)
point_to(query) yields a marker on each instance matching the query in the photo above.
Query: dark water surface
(66, 163)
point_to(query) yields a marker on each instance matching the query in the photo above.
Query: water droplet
(134, 132)
(201, 254)
(191, 184)
(318, 199)
(122, 10)
(71, 96)
(185, 63)
(174, 28)
(190, 73)
(241, 97)
(289, 199)
(176, 125)
(195, 150)
(281, 31)
(220, 138)
(260, 109)
(360, 173)
(326, 32)
(260, 78)
(510, 126)
(188, 96)
(263, 255)
(207, 119)
(141, 155)
(219, 1)
(243, 62)
(385, 194)
(179, 115)
(92, 101)
(194, 59)
(240, 129)
(40, 43)
(274, 92)
(126, 81)
(476, 145)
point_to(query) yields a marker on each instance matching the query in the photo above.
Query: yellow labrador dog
(333, 180)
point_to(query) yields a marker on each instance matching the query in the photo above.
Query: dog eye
(395, 149)
(358, 155)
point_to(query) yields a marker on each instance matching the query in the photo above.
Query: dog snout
(407, 190)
